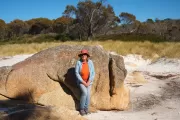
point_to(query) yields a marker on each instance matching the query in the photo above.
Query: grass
(147, 49)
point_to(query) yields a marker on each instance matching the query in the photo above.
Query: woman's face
(84, 57)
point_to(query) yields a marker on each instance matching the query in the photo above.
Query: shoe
(86, 111)
(82, 112)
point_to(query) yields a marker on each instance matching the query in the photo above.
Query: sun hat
(84, 51)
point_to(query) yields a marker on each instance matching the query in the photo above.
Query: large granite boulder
(48, 78)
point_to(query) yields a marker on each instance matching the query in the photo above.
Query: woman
(85, 73)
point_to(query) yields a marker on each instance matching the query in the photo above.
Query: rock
(4, 72)
(48, 78)
(3, 98)
(117, 89)
(54, 98)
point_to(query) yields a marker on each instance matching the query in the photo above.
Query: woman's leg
(87, 98)
(83, 97)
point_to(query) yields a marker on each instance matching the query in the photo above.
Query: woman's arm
(78, 76)
(92, 72)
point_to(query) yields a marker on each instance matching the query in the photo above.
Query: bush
(132, 37)
(62, 37)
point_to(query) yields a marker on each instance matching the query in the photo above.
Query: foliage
(17, 28)
(91, 17)
(39, 25)
(149, 21)
(3, 28)
(132, 37)
(61, 25)
(127, 18)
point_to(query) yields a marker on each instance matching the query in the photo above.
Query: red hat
(84, 52)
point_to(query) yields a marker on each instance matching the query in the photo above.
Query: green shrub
(131, 37)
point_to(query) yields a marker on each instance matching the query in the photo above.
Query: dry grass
(147, 49)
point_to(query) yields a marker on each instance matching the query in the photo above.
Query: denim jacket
(78, 71)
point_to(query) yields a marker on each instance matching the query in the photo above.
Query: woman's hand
(84, 83)
(88, 83)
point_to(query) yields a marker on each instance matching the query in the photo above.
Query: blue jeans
(85, 96)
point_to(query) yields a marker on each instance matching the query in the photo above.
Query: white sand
(162, 65)
(11, 60)
(158, 99)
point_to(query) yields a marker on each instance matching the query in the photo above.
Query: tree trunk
(90, 34)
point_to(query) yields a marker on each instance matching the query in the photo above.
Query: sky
(52, 9)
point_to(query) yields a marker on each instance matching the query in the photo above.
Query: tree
(17, 28)
(173, 29)
(91, 17)
(144, 28)
(149, 21)
(2, 29)
(127, 18)
(40, 25)
(129, 24)
(157, 20)
(61, 25)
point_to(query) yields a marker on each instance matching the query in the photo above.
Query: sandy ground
(156, 98)
(10, 60)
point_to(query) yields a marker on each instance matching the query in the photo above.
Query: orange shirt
(85, 71)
